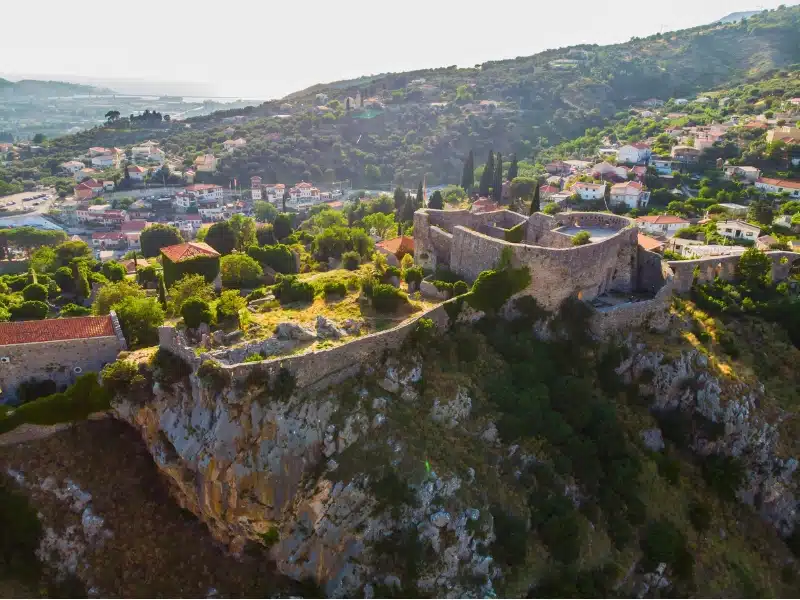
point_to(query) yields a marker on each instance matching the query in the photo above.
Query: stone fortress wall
(558, 269)
(724, 267)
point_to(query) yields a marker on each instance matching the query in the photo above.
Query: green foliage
(278, 257)
(754, 269)
(265, 213)
(283, 384)
(387, 299)
(282, 226)
(265, 235)
(492, 289)
(157, 236)
(334, 241)
(32, 389)
(581, 238)
(196, 311)
(222, 237)
(351, 260)
(460, 288)
(35, 292)
(114, 293)
(64, 279)
(207, 266)
(213, 375)
(22, 531)
(228, 307)
(725, 474)
(560, 527)
(73, 310)
(516, 233)
(334, 288)
(190, 286)
(114, 271)
(147, 275)
(510, 545)
(169, 368)
(140, 319)
(122, 378)
(240, 271)
(289, 289)
(700, 515)
(424, 333)
(29, 310)
(663, 542)
(413, 276)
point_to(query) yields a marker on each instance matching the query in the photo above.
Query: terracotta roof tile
(189, 250)
(648, 243)
(397, 244)
(50, 330)
(662, 219)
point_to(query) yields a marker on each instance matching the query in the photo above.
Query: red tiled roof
(627, 184)
(786, 183)
(50, 330)
(135, 169)
(130, 266)
(549, 189)
(200, 187)
(133, 226)
(111, 235)
(662, 219)
(648, 243)
(395, 245)
(189, 250)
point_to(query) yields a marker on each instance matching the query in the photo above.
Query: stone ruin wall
(724, 267)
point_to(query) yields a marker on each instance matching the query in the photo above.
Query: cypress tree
(162, 291)
(513, 170)
(399, 197)
(436, 201)
(536, 202)
(486, 176)
(420, 196)
(497, 186)
(468, 176)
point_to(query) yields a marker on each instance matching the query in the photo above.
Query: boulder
(293, 331)
(327, 329)
(652, 439)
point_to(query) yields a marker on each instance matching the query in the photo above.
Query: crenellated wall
(724, 267)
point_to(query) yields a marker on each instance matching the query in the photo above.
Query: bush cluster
(196, 311)
(289, 289)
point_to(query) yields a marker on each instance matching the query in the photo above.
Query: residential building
(188, 176)
(395, 248)
(548, 190)
(779, 186)
(140, 209)
(101, 213)
(85, 173)
(273, 192)
(231, 145)
(132, 230)
(685, 154)
(606, 170)
(111, 239)
(704, 141)
(666, 225)
(554, 180)
(783, 221)
(148, 152)
(787, 134)
(69, 213)
(107, 160)
(558, 167)
(131, 265)
(205, 191)
(738, 230)
(136, 173)
(630, 193)
(171, 256)
(97, 151)
(589, 191)
(206, 163)
(303, 195)
(210, 210)
(650, 244)
(255, 187)
(750, 174)
(88, 189)
(633, 153)
(71, 166)
(663, 166)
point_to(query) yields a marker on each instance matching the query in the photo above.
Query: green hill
(34, 87)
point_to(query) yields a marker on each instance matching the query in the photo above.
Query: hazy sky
(268, 48)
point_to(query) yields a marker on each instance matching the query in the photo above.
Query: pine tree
(486, 176)
(468, 176)
(436, 201)
(162, 291)
(497, 186)
(399, 198)
(536, 202)
(420, 196)
(513, 170)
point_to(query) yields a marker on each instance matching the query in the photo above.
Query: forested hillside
(406, 125)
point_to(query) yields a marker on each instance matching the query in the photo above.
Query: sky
(269, 48)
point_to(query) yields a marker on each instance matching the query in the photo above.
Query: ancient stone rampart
(724, 267)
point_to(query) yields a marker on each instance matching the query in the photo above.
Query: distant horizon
(326, 45)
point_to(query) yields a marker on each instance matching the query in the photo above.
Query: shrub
(351, 260)
(699, 515)
(278, 257)
(35, 388)
(335, 288)
(387, 298)
(414, 276)
(663, 542)
(265, 236)
(423, 334)
(724, 474)
(289, 289)
(140, 319)
(207, 266)
(257, 294)
(64, 279)
(169, 368)
(284, 384)
(35, 292)
(581, 238)
(146, 275)
(190, 286)
(228, 307)
(492, 289)
(255, 357)
(196, 311)
(29, 310)
(213, 375)
(240, 271)
(515, 234)
(113, 271)
(157, 236)
(74, 310)
(460, 288)
(222, 237)
(114, 293)
(122, 378)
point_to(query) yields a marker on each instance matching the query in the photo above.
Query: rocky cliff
(413, 477)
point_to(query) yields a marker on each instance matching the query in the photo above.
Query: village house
(303, 195)
(273, 192)
(189, 225)
(666, 225)
(206, 163)
(56, 349)
(132, 230)
(172, 256)
(148, 152)
(786, 134)
(779, 186)
(231, 145)
(685, 154)
(630, 193)
(88, 189)
(140, 209)
(210, 209)
(663, 166)
(606, 171)
(650, 244)
(546, 191)
(136, 173)
(783, 221)
(733, 208)
(738, 230)
(255, 187)
(110, 158)
(71, 166)
(395, 248)
(131, 265)
(97, 151)
(558, 167)
(108, 240)
(205, 191)
(750, 174)
(633, 153)
(589, 191)
(85, 173)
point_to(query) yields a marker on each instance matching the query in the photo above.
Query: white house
(71, 166)
(148, 152)
(136, 173)
(85, 173)
(604, 170)
(274, 192)
(205, 192)
(211, 212)
(633, 153)
(663, 166)
(666, 225)
(630, 193)
(738, 230)
(104, 161)
(255, 187)
(111, 239)
(303, 195)
(778, 186)
(750, 174)
(231, 145)
(589, 191)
